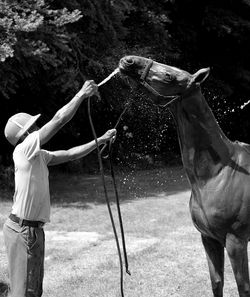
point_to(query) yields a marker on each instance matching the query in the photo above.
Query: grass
(166, 257)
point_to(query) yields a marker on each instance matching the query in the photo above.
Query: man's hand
(81, 150)
(89, 88)
(109, 135)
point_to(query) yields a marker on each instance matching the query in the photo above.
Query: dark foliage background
(49, 48)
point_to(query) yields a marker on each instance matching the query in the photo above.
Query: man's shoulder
(30, 146)
(31, 138)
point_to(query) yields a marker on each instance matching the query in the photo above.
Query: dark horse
(218, 170)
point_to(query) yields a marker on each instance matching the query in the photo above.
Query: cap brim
(28, 125)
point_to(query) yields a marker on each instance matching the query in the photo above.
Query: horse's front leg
(215, 257)
(237, 252)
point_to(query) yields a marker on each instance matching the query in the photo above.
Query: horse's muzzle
(126, 66)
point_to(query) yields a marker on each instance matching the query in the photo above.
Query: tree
(32, 35)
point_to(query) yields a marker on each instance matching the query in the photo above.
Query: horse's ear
(200, 75)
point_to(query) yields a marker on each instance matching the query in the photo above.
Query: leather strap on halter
(144, 74)
(143, 82)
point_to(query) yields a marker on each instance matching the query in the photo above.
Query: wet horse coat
(218, 169)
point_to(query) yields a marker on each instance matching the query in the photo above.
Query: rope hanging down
(99, 154)
(118, 208)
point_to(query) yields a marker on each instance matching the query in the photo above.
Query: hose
(107, 198)
(118, 208)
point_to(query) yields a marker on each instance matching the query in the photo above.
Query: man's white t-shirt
(32, 197)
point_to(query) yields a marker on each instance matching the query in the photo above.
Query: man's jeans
(25, 252)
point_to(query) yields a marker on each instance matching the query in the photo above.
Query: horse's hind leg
(237, 252)
(215, 257)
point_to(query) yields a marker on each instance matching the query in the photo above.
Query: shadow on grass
(68, 190)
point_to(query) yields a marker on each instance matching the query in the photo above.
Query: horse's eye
(169, 77)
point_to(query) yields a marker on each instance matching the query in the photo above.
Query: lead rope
(109, 156)
(107, 199)
(118, 208)
(113, 175)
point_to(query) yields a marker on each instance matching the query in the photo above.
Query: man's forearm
(83, 150)
(66, 113)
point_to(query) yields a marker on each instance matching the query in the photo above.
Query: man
(23, 230)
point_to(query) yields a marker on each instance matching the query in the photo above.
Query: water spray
(245, 104)
(99, 154)
(109, 77)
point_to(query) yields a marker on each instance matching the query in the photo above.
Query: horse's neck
(204, 147)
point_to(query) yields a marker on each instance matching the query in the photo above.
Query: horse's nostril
(126, 65)
(129, 61)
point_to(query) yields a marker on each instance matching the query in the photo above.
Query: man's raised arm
(65, 114)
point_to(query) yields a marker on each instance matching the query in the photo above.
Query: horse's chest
(200, 218)
(203, 163)
(211, 216)
(221, 210)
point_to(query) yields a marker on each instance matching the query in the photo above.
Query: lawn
(165, 253)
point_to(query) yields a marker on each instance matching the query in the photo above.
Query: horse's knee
(217, 283)
(244, 290)
(217, 287)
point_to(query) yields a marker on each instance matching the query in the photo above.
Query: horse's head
(161, 80)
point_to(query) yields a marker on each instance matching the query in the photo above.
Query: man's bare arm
(65, 114)
(80, 151)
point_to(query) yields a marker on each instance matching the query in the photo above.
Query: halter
(144, 83)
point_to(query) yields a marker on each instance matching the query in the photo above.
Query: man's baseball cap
(17, 125)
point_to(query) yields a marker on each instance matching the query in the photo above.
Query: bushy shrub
(7, 177)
